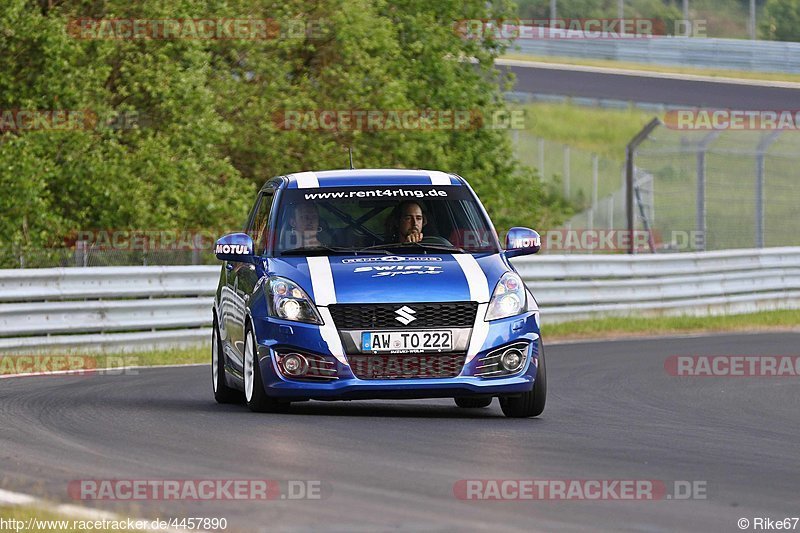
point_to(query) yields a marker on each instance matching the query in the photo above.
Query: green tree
(781, 21)
(205, 136)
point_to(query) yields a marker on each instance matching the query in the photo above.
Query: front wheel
(222, 392)
(531, 403)
(254, 393)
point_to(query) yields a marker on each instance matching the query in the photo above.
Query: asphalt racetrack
(690, 93)
(613, 413)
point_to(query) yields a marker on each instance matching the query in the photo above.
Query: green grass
(25, 513)
(12, 364)
(605, 132)
(585, 130)
(596, 328)
(669, 69)
(637, 326)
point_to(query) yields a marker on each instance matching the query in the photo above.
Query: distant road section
(657, 88)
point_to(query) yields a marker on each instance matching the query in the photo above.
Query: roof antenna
(350, 151)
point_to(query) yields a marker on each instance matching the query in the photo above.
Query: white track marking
(70, 511)
(647, 74)
(89, 371)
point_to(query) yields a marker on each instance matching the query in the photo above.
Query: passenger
(304, 226)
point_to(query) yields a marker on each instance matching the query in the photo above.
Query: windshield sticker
(376, 193)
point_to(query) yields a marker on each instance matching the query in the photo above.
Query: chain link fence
(693, 190)
(722, 189)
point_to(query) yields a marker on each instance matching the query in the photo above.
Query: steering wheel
(435, 239)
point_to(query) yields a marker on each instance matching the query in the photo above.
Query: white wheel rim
(214, 358)
(249, 366)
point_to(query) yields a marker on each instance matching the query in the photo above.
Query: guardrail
(737, 54)
(139, 308)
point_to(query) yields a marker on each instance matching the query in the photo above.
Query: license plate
(406, 341)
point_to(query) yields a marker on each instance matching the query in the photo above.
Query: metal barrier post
(630, 152)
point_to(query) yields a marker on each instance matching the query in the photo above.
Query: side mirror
(234, 247)
(522, 241)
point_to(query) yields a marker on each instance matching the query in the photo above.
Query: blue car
(375, 284)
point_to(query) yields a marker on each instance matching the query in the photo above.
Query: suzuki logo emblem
(405, 315)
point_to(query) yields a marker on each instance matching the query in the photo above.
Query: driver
(405, 222)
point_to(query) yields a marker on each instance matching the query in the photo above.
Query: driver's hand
(414, 236)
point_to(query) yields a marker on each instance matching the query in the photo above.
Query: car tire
(531, 403)
(255, 396)
(473, 403)
(222, 392)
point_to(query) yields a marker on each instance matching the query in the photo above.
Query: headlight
(508, 298)
(288, 301)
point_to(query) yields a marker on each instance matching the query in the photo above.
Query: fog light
(295, 364)
(512, 360)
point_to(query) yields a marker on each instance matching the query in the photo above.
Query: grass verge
(24, 363)
(605, 132)
(666, 69)
(637, 326)
(581, 329)
(41, 520)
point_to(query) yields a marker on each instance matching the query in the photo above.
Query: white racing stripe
(439, 178)
(478, 292)
(306, 180)
(331, 336)
(319, 269)
(476, 279)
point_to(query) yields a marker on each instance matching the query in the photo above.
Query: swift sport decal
(399, 270)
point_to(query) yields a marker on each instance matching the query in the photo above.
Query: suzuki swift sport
(375, 284)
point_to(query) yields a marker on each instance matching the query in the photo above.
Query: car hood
(394, 278)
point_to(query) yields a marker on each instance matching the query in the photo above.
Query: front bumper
(280, 335)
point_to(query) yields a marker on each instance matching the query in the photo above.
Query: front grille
(426, 315)
(407, 366)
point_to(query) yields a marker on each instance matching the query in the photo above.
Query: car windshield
(375, 220)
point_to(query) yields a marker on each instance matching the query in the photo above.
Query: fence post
(541, 159)
(763, 146)
(630, 152)
(594, 191)
(700, 207)
(566, 171)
